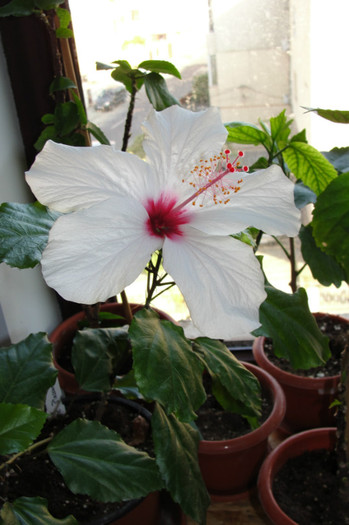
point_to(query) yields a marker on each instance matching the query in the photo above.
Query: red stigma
(164, 220)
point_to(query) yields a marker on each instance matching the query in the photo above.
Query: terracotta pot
(62, 338)
(230, 467)
(140, 511)
(319, 438)
(307, 399)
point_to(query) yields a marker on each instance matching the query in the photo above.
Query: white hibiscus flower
(186, 200)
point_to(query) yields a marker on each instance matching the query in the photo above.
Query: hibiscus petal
(265, 201)
(221, 281)
(94, 254)
(68, 178)
(177, 138)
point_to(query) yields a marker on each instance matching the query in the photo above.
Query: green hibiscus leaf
(31, 511)
(339, 158)
(241, 133)
(97, 354)
(324, 268)
(160, 66)
(309, 165)
(280, 127)
(166, 368)
(63, 31)
(235, 387)
(286, 319)
(24, 230)
(303, 195)
(158, 93)
(20, 426)
(26, 371)
(176, 448)
(331, 221)
(95, 461)
(334, 115)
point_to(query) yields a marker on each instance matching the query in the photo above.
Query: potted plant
(309, 393)
(89, 455)
(328, 226)
(104, 215)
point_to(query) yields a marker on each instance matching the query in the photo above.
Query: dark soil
(39, 477)
(338, 333)
(216, 424)
(308, 491)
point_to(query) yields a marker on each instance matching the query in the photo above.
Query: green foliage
(339, 158)
(331, 221)
(26, 371)
(24, 230)
(28, 7)
(286, 319)
(324, 268)
(97, 355)
(334, 115)
(234, 387)
(147, 73)
(20, 425)
(309, 165)
(157, 92)
(95, 461)
(176, 448)
(166, 369)
(64, 18)
(31, 511)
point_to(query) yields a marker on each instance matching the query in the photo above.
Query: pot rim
(287, 377)
(292, 446)
(261, 433)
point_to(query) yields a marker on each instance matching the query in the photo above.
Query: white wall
(27, 305)
(320, 74)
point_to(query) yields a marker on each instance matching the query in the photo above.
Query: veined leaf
(309, 165)
(234, 387)
(176, 448)
(331, 221)
(95, 461)
(26, 371)
(20, 426)
(166, 368)
(246, 134)
(280, 127)
(324, 268)
(24, 230)
(157, 92)
(31, 511)
(286, 318)
(160, 66)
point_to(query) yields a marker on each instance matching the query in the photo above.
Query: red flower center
(164, 220)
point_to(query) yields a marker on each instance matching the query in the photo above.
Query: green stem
(26, 451)
(154, 270)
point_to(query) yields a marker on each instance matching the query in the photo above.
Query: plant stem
(26, 451)
(128, 122)
(293, 282)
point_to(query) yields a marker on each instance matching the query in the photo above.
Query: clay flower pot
(315, 439)
(307, 398)
(62, 338)
(230, 467)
